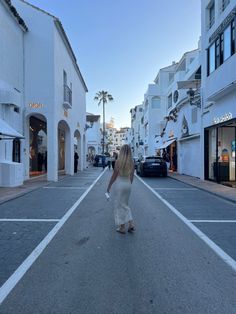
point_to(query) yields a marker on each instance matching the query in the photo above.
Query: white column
(69, 153)
(26, 149)
(52, 151)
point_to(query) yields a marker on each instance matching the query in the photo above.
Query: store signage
(36, 105)
(225, 117)
(223, 25)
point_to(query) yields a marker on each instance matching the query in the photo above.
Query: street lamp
(194, 98)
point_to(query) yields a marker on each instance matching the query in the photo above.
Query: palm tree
(103, 97)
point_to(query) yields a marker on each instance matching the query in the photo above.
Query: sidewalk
(211, 187)
(7, 194)
(225, 192)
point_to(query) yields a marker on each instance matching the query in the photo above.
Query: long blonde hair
(125, 161)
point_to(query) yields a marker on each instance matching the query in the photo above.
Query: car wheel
(164, 174)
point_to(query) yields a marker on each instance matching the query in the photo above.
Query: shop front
(37, 145)
(220, 142)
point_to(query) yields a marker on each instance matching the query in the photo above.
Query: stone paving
(223, 191)
(212, 187)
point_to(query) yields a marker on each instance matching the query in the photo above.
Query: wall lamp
(194, 98)
(88, 126)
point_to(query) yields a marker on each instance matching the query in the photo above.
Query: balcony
(67, 102)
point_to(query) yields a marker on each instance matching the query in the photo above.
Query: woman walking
(122, 176)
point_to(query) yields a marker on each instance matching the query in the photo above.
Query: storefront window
(38, 146)
(212, 155)
(221, 151)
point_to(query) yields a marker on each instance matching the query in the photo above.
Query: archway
(37, 144)
(64, 147)
(78, 148)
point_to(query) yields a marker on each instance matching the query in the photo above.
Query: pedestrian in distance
(76, 158)
(122, 177)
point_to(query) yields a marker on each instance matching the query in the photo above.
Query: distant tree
(103, 97)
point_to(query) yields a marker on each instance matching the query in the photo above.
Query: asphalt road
(87, 267)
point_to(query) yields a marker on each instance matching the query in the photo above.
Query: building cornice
(15, 14)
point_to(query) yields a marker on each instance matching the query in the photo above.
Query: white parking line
(177, 189)
(221, 221)
(65, 187)
(224, 256)
(28, 220)
(7, 287)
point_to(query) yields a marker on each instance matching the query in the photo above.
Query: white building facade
(181, 134)
(219, 90)
(93, 135)
(13, 30)
(137, 131)
(54, 99)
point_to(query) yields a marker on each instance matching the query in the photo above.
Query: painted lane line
(224, 256)
(7, 287)
(177, 189)
(218, 221)
(65, 187)
(28, 220)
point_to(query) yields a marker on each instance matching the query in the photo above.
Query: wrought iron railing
(67, 94)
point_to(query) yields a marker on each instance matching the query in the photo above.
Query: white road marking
(65, 187)
(221, 221)
(177, 189)
(224, 256)
(7, 287)
(28, 220)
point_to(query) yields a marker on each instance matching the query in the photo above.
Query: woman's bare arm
(113, 178)
(132, 174)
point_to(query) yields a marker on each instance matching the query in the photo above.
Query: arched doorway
(37, 145)
(91, 153)
(77, 147)
(64, 147)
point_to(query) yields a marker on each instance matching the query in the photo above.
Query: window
(224, 4)
(16, 150)
(227, 43)
(222, 48)
(170, 101)
(233, 37)
(140, 109)
(211, 11)
(156, 103)
(194, 115)
(211, 59)
(64, 77)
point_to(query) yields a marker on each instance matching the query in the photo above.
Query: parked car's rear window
(153, 159)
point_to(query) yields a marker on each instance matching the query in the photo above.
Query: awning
(7, 130)
(166, 144)
(189, 84)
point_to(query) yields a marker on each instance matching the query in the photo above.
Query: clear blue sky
(121, 44)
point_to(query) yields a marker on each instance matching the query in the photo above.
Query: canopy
(189, 84)
(7, 130)
(166, 144)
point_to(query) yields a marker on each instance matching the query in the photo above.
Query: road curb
(205, 190)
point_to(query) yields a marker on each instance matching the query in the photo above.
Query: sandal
(121, 230)
(131, 229)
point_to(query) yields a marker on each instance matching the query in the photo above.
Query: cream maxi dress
(122, 190)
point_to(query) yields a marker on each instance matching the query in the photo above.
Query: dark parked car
(98, 160)
(136, 161)
(152, 165)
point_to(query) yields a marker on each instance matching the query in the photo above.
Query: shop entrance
(38, 146)
(220, 154)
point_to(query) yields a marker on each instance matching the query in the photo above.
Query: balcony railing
(67, 103)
